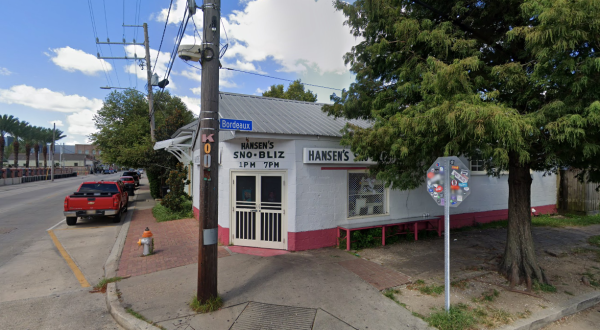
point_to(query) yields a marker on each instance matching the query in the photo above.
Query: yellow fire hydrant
(147, 241)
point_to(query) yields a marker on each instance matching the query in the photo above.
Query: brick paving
(175, 245)
(376, 275)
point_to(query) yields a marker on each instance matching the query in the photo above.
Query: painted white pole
(447, 201)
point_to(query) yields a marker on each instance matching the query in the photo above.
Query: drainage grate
(274, 317)
(6, 230)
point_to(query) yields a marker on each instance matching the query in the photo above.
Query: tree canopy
(123, 126)
(511, 82)
(295, 91)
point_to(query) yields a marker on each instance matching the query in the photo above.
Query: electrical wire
(91, 9)
(109, 46)
(178, 38)
(193, 66)
(263, 75)
(224, 48)
(163, 36)
(127, 61)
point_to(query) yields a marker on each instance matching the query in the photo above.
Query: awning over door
(180, 147)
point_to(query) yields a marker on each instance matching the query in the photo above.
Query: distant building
(64, 160)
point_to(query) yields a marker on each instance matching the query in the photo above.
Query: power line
(91, 9)
(178, 38)
(109, 46)
(193, 66)
(263, 75)
(163, 36)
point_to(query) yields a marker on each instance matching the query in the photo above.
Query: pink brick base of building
(315, 239)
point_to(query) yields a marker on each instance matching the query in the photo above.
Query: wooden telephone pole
(146, 45)
(208, 143)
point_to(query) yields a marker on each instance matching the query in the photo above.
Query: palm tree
(49, 137)
(38, 137)
(6, 124)
(29, 138)
(17, 132)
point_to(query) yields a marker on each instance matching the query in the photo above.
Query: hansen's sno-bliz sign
(330, 156)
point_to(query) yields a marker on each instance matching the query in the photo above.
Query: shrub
(176, 197)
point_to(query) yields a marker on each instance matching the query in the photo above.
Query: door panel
(259, 210)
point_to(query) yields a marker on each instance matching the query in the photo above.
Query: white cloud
(197, 90)
(259, 91)
(179, 7)
(244, 66)
(193, 104)
(77, 60)
(5, 72)
(82, 122)
(295, 33)
(196, 75)
(45, 99)
(58, 123)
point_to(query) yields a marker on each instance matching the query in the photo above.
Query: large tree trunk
(2, 142)
(16, 151)
(519, 264)
(37, 153)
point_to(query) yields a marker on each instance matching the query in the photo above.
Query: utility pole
(52, 153)
(149, 74)
(208, 143)
(146, 45)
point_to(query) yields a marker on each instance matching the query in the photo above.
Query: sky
(50, 73)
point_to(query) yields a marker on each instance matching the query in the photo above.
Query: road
(46, 275)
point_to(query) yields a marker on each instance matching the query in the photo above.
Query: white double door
(258, 209)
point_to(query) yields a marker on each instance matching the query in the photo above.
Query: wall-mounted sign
(330, 156)
(259, 155)
(235, 124)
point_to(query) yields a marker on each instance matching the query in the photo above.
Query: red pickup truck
(96, 199)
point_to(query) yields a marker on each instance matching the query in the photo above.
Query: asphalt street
(47, 275)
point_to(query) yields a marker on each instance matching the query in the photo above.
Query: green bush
(176, 197)
(162, 213)
(154, 181)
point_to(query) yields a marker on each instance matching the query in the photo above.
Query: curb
(546, 317)
(115, 308)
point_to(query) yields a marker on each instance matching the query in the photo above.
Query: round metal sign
(458, 190)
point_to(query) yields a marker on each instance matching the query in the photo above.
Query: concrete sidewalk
(319, 289)
(263, 289)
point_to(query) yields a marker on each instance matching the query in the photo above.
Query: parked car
(98, 198)
(135, 175)
(129, 184)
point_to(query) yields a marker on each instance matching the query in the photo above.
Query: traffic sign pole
(448, 184)
(447, 235)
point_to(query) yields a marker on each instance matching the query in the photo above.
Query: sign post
(448, 184)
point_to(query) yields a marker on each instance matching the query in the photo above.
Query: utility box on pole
(208, 144)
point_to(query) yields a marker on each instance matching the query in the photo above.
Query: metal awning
(180, 147)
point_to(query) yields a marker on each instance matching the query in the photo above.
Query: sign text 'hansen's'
(329, 155)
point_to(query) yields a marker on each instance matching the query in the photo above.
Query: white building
(288, 184)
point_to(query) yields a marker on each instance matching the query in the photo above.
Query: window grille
(366, 195)
(477, 165)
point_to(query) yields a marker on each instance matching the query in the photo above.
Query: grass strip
(211, 305)
(141, 317)
(101, 286)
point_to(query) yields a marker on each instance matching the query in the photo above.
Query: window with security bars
(366, 195)
(477, 166)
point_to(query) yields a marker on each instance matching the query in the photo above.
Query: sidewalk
(271, 289)
(320, 289)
